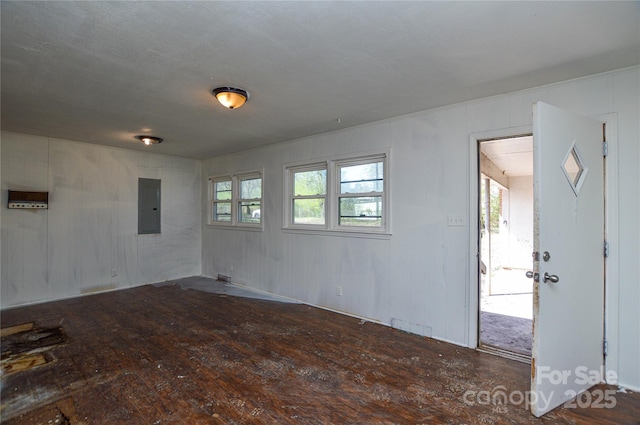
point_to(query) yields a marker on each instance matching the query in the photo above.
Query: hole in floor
(23, 346)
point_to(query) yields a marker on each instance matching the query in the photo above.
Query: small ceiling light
(149, 140)
(231, 97)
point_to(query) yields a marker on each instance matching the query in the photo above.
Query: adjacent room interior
(313, 212)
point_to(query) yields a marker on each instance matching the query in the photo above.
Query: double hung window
(360, 194)
(222, 199)
(236, 200)
(309, 195)
(249, 199)
(340, 194)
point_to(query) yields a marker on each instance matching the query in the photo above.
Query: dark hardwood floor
(163, 354)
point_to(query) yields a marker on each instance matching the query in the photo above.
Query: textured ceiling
(102, 72)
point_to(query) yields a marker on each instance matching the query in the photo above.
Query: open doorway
(506, 242)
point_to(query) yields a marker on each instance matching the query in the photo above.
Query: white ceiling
(102, 72)
(513, 157)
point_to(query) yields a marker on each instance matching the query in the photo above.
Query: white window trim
(238, 199)
(212, 202)
(290, 196)
(332, 226)
(235, 223)
(337, 194)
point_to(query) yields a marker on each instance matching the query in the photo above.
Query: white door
(569, 236)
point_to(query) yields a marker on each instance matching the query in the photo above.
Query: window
(340, 194)
(249, 199)
(360, 194)
(222, 194)
(236, 200)
(308, 200)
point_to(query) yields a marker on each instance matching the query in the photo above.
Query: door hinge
(605, 148)
(605, 347)
(606, 248)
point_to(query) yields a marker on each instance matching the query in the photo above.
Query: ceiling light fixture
(149, 140)
(231, 97)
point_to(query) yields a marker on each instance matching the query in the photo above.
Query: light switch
(456, 220)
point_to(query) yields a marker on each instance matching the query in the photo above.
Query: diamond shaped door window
(574, 168)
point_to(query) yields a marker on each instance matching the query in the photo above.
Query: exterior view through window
(250, 199)
(360, 199)
(222, 200)
(341, 194)
(309, 196)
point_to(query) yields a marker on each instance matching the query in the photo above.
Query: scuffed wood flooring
(163, 354)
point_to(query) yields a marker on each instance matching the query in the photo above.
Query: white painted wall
(419, 278)
(520, 222)
(91, 225)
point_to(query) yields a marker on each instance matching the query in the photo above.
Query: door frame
(488, 348)
(611, 324)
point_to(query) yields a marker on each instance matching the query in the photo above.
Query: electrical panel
(148, 206)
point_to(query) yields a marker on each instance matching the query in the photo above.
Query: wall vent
(29, 200)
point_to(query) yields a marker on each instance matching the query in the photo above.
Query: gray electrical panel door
(148, 206)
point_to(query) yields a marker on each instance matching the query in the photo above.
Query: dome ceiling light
(231, 97)
(149, 140)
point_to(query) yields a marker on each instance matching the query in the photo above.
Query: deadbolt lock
(546, 256)
(535, 276)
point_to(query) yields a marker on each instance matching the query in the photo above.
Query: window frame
(235, 200)
(339, 195)
(292, 197)
(332, 224)
(239, 199)
(213, 201)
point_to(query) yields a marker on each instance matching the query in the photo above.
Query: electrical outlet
(456, 220)
(339, 291)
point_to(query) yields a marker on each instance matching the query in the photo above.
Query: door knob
(533, 275)
(551, 278)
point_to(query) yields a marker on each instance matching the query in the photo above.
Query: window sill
(247, 228)
(339, 233)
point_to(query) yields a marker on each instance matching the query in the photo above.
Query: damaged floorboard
(159, 355)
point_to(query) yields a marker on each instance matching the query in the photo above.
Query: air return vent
(28, 200)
